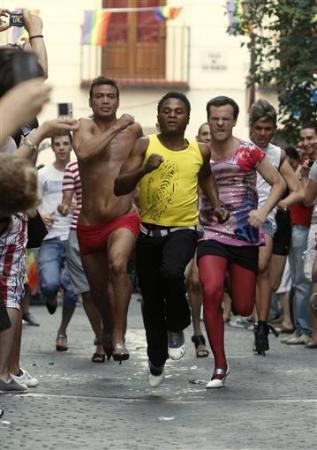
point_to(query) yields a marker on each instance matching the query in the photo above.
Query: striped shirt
(72, 183)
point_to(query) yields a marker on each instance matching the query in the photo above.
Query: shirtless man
(108, 225)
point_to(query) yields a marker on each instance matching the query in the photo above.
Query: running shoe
(176, 344)
(155, 375)
(12, 386)
(25, 378)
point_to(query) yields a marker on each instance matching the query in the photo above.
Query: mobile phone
(65, 110)
(25, 66)
(16, 19)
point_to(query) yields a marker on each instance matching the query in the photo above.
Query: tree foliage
(283, 48)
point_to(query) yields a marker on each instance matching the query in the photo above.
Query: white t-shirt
(51, 194)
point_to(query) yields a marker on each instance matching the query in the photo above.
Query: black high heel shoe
(108, 348)
(120, 353)
(261, 335)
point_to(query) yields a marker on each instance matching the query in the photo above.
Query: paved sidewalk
(268, 403)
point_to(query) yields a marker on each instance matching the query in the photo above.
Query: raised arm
(34, 26)
(132, 170)
(87, 144)
(21, 104)
(296, 191)
(271, 176)
(208, 184)
(29, 147)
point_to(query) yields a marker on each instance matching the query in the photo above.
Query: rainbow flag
(94, 28)
(166, 12)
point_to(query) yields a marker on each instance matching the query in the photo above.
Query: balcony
(152, 57)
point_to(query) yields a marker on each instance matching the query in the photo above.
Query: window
(135, 42)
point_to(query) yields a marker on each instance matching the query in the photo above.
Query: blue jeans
(53, 274)
(301, 285)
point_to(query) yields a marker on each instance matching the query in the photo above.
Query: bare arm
(132, 170)
(34, 26)
(208, 184)
(297, 193)
(310, 193)
(50, 128)
(21, 104)
(88, 145)
(65, 207)
(206, 178)
(271, 176)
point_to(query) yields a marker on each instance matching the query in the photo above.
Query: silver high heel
(216, 383)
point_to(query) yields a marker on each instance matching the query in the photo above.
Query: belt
(162, 232)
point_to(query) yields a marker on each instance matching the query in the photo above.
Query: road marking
(145, 399)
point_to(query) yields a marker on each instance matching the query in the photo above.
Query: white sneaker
(155, 375)
(216, 383)
(12, 386)
(176, 344)
(26, 379)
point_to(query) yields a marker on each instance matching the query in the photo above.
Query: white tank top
(274, 155)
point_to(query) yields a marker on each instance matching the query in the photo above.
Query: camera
(65, 110)
(16, 19)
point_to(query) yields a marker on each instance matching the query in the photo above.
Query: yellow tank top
(168, 195)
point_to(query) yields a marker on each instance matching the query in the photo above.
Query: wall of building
(217, 63)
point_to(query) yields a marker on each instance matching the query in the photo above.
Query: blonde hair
(18, 185)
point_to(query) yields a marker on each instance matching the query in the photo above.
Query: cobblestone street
(268, 403)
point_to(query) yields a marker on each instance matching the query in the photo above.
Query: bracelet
(36, 36)
(27, 141)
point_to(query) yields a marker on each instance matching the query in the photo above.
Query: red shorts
(93, 238)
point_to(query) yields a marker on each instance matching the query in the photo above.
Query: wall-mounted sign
(213, 62)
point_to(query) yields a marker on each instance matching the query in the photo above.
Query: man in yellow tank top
(168, 169)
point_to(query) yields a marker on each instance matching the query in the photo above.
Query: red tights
(212, 271)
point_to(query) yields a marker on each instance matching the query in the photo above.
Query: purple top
(236, 180)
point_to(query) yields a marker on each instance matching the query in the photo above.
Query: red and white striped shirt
(72, 183)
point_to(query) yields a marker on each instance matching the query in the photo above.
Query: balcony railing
(154, 58)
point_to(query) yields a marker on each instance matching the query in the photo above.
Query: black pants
(160, 264)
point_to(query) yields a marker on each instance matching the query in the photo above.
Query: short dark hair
(292, 153)
(262, 109)
(201, 127)
(7, 79)
(174, 94)
(99, 81)
(222, 100)
(61, 135)
(312, 125)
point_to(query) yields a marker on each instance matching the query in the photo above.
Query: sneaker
(303, 339)
(176, 344)
(12, 386)
(285, 339)
(219, 382)
(240, 322)
(155, 375)
(30, 319)
(25, 378)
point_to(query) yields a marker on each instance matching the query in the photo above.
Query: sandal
(120, 352)
(61, 343)
(98, 358)
(200, 342)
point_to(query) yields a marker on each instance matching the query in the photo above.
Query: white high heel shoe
(216, 383)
